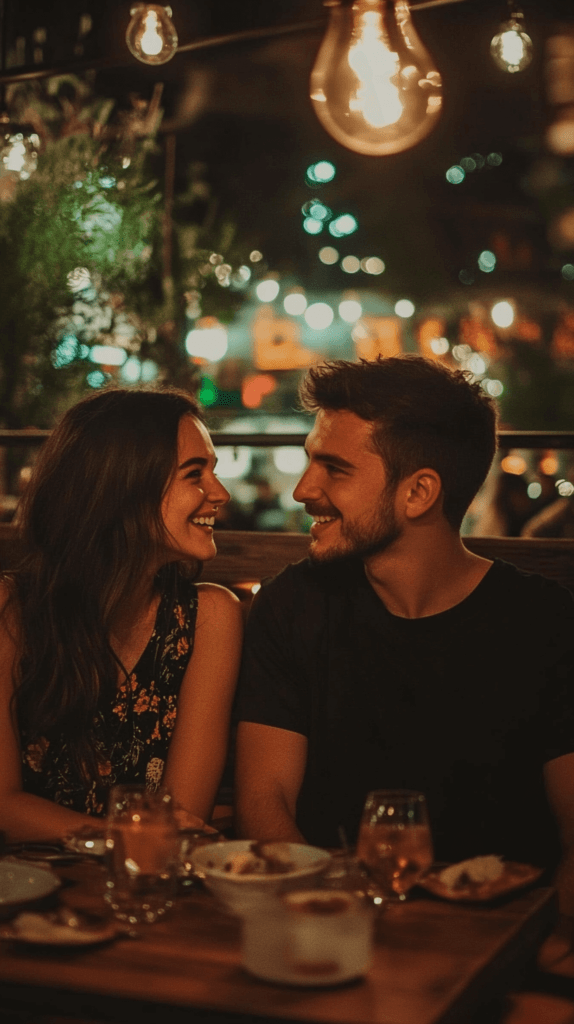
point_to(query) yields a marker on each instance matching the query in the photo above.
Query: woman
(115, 666)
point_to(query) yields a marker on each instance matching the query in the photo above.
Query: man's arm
(270, 764)
(559, 782)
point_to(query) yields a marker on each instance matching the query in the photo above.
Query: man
(394, 657)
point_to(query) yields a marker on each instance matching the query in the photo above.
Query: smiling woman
(114, 665)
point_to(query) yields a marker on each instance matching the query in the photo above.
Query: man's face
(344, 488)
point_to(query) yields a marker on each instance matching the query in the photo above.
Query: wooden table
(434, 962)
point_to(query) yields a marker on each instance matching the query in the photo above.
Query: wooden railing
(245, 558)
(557, 439)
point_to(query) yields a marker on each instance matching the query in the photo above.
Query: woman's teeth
(204, 521)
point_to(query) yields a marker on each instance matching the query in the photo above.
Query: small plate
(22, 882)
(514, 876)
(49, 930)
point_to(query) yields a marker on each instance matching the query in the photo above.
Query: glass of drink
(395, 844)
(142, 847)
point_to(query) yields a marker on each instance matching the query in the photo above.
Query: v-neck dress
(133, 726)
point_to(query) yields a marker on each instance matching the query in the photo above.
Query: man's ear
(422, 491)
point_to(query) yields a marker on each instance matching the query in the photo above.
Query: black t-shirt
(465, 706)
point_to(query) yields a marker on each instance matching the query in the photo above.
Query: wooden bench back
(245, 558)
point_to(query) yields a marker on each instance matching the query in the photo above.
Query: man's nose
(306, 487)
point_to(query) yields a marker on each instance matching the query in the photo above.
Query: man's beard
(364, 538)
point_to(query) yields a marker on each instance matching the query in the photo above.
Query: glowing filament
(151, 41)
(377, 97)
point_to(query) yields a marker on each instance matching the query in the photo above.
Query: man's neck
(425, 573)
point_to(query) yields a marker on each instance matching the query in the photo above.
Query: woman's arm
(22, 815)
(198, 746)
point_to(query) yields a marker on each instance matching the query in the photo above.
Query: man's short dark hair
(423, 414)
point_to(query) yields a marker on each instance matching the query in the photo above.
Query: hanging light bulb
(511, 47)
(151, 35)
(19, 147)
(374, 86)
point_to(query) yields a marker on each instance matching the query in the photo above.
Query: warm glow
(207, 340)
(512, 48)
(548, 464)
(374, 87)
(151, 35)
(502, 314)
(151, 41)
(513, 464)
(255, 388)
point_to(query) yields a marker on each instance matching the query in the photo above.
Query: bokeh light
(350, 310)
(321, 172)
(568, 271)
(268, 290)
(502, 314)
(495, 388)
(255, 256)
(344, 224)
(372, 265)
(494, 159)
(439, 346)
(312, 226)
(319, 316)
(455, 175)
(108, 355)
(513, 464)
(290, 459)
(534, 490)
(350, 264)
(404, 308)
(207, 342)
(328, 255)
(486, 261)
(295, 303)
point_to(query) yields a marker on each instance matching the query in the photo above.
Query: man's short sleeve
(272, 683)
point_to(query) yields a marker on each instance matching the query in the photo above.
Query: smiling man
(395, 658)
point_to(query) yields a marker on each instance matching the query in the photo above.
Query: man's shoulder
(529, 590)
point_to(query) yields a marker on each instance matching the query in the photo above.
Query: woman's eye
(194, 475)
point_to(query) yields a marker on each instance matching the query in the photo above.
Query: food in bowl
(261, 859)
(226, 870)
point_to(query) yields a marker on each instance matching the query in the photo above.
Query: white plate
(42, 930)
(22, 882)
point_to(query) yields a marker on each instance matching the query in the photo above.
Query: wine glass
(395, 844)
(141, 853)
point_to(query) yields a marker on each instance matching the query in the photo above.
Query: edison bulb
(512, 47)
(374, 87)
(151, 35)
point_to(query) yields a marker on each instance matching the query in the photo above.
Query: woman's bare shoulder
(217, 606)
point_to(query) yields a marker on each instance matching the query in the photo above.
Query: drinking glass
(141, 853)
(395, 844)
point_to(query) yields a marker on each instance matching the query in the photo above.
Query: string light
(374, 86)
(151, 35)
(511, 47)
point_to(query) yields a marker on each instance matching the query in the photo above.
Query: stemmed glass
(395, 844)
(141, 853)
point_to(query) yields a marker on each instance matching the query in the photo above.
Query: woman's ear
(422, 492)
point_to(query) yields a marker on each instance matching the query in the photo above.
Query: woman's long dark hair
(90, 520)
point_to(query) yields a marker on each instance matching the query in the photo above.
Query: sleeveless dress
(133, 728)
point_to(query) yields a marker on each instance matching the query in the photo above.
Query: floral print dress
(132, 731)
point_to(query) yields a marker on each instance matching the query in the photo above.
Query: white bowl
(242, 893)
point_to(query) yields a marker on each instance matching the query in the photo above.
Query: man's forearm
(266, 817)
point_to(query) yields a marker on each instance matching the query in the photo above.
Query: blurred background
(193, 223)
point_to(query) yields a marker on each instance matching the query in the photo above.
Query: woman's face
(193, 496)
